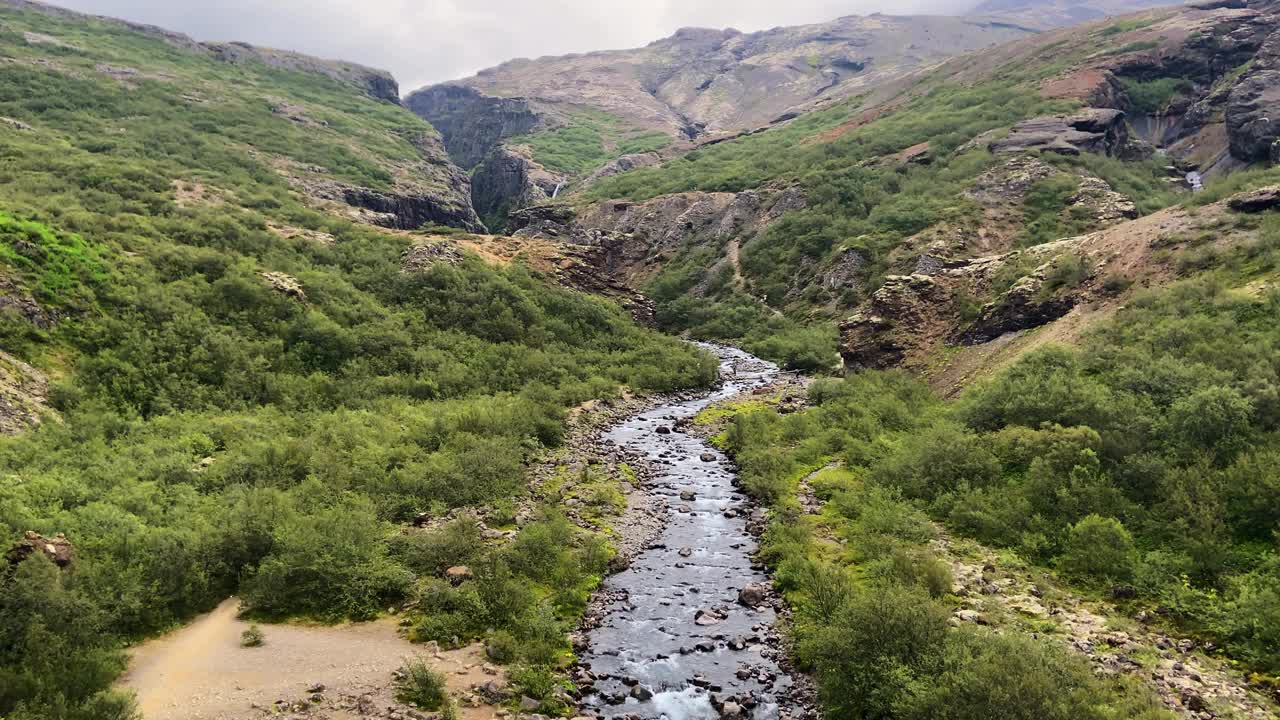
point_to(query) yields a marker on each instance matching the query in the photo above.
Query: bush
(982, 675)
(868, 653)
(418, 685)
(252, 637)
(1253, 617)
(1099, 549)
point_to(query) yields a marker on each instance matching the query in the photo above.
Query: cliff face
(472, 124)
(509, 179)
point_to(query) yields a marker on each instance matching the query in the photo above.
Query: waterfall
(556, 192)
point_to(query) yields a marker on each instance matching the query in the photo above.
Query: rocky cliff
(702, 85)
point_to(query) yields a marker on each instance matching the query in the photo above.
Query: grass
(589, 139)
(1154, 96)
(420, 686)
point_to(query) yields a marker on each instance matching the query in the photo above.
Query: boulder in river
(753, 595)
(708, 617)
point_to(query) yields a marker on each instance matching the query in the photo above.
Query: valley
(887, 368)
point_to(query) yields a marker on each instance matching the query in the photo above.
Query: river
(676, 642)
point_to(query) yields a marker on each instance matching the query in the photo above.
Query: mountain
(976, 163)
(530, 128)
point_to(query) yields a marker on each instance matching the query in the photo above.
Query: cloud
(428, 41)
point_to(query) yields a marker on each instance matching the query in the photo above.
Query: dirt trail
(201, 672)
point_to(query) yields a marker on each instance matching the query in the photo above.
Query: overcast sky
(428, 41)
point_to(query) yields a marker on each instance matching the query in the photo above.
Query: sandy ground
(200, 672)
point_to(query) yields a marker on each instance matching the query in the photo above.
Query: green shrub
(418, 685)
(252, 637)
(982, 674)
(1253, 617)
(867, 654)
(1099, 549)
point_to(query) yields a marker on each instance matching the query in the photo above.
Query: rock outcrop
(1253, 107)
(424, 256)
(24, 394)
(634, 237)
(285, 284)
(620, 165)
(1095, 130)
(1253, 201)
(472, 124)
(57, 548)
(510, 180)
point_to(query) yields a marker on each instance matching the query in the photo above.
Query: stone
(424, 256)
(663, 430)
(1094, 130)
(284, 284)
(753, 595)
(705, 618)
(688, 495)
(1255, 201)
(641, 693)
(708, 457)
(458, 574)
(970, 616)
(528, 704)
(57, 549)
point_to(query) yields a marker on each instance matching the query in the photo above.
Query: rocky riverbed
(686, 630)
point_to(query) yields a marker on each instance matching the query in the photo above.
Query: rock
(706, 618)
(15, 124)
(411, 208)
(458, 574)
(1251, 105)
(641, 693)
(1095, 130)
(685, 552)
(492, 691)
(528, 704)
(472, 124)
(424, 256)
(315, 689)
(626, 163)
(688, 495)
(510, 180)
(1192, 701)
(57, 549)
(284, 284)
(732, 711)
(753, 595)
(708, 457)
(970, 616)
(1124, 592)
(1254, 201)
(663, 430)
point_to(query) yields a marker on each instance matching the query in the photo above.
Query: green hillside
(247, 393)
